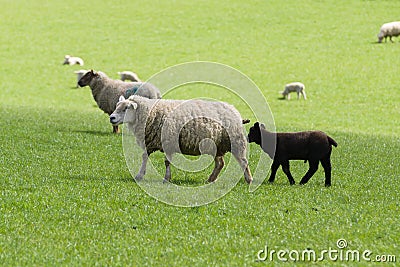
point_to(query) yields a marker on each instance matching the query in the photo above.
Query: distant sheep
(311, 146)
(181, 126)
(389, 30)
(68, 60)
(106, 91)
(129, 75)
(297, 87)
(79, 74)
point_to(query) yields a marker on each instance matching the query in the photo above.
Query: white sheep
(79, 74)
(389, 30)
(181, 126)
(106, 91)
(72, 60)
(297, 87)
(129, 75)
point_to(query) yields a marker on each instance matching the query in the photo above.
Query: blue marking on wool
(131, 91)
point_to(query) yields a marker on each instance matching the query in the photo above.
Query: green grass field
(67, 197)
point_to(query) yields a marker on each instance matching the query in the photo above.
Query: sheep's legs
(142, 170)
(326, 164)
(274, 168)
(115, 129)
(304, 95)
(167, 176)
(312, 169)
(245, 167)
(286, 170)
(219, 164)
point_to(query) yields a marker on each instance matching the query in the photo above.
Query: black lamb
(311, 146)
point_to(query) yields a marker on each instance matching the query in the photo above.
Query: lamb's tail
(332, 142)
(245, 121)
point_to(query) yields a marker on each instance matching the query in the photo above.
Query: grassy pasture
(67, 197)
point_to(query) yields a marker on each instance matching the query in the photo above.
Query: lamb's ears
(257, 125)
(121, 98)
(132, 105)
(92, 72)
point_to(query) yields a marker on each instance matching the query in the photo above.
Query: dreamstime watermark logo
(207, 81)
(339, 253)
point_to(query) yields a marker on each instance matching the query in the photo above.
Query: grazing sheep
(389, 30)
(181, 126)
(314, 146)
(129, 75)
(106, 91)
(72, 60)
(79, 74)
(297, 87)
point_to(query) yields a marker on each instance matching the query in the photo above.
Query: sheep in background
(72, 60)
(79, 74)
(180, 126)
(129, 75)
(106, 91)
(311, 146)
(389, 30)
(297, 87)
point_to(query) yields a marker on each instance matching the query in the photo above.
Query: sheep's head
(87, 78)
(380, 38)
(66, 59)
(255, 133)
(120, 114)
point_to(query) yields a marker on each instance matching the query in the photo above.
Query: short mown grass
(67, 197)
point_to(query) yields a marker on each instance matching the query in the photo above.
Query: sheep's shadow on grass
(81, 177)
(178, 182)
(94, 132)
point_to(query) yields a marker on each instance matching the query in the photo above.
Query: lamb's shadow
(94, 132)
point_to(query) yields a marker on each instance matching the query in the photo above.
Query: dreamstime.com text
(338, 253)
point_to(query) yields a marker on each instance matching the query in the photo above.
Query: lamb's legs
(286, 170)
(304, 95)
(274, 168)
(312, 169)
(326, 164)
(244, 164)
(167, 176)
(142, 170)
(219, 164)
(115, 129)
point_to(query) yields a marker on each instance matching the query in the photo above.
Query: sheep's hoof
(327, 185)
(292, 183)
(165, 181)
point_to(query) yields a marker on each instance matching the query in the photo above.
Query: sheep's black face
(254, 134)
(87, 78)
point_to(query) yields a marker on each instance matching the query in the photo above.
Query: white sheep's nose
(112, 118)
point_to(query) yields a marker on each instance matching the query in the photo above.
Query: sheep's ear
(262, 125)
(92, 72)
(256, 125)
(133, 105)
(121, 98)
